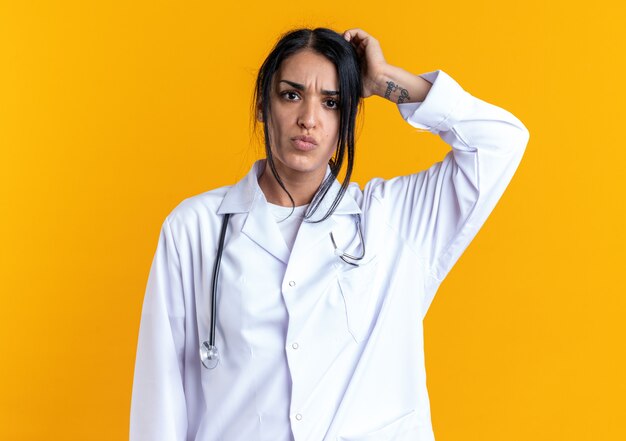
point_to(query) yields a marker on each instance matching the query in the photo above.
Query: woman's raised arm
(438, 211)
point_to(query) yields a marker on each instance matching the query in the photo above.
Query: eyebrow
(301, 87)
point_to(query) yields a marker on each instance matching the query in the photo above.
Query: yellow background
(112, 112)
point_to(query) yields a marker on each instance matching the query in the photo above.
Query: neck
(301, 186)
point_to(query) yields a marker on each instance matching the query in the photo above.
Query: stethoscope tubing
(216, 271)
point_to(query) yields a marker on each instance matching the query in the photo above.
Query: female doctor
(290, 305)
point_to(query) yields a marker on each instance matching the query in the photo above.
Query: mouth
(305, 143)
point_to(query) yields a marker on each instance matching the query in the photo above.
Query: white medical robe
(312, 348)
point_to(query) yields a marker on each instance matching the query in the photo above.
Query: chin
(300, 164)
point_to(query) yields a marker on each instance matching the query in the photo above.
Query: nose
(308, 117)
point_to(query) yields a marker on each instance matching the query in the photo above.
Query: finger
(357, 37)
(360, 34)
(361, 40)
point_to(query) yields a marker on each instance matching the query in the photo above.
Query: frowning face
(304, 116)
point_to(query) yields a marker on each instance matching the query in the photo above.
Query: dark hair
(337, 50)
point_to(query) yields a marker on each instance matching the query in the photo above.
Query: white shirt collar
(241, 196)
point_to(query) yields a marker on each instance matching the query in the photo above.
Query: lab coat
(312, 348)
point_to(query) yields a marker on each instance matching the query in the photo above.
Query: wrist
(385, 74)
(400, 86)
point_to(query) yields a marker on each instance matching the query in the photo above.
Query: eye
(332, 104)
(290, 95)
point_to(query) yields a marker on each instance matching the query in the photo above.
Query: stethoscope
(209, 355)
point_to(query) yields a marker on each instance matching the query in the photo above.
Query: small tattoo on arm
(404, 96)
(392, 87)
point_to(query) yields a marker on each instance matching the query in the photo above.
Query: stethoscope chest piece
(209, 356)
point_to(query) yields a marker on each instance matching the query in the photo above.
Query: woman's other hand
(371, 56)
(382, 79)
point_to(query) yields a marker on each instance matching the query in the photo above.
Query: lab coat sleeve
(439, 210)
(158, 410)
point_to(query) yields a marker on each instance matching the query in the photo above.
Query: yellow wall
(112, 112)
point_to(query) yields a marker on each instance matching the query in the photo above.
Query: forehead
(308, 68)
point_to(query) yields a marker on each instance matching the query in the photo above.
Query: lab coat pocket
(404, 428)
(357, 288)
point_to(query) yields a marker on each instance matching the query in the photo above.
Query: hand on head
(371, 57)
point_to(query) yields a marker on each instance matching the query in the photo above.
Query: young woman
(311, 326)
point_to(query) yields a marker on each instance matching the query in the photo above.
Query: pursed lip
(304, 142)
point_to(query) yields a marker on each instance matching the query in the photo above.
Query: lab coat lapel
(260, 227)
(311, 232)
(247, 197)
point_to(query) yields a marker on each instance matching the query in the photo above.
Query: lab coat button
(292, 283)
(298, 416)
(295, 345)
